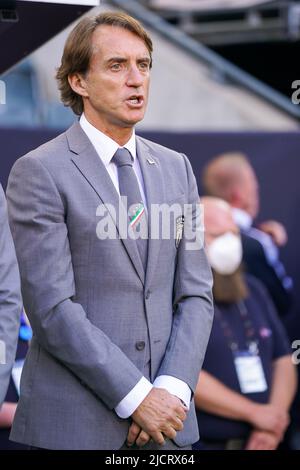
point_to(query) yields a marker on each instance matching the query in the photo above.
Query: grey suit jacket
(90, 303)
(10, 300)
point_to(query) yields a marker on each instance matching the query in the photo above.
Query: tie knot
(122, 157)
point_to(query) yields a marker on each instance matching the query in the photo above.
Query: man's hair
(222, 173)
(78, 51)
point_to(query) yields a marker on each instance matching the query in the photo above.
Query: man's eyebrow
(116, 59)
(144, 59)
(123, 59)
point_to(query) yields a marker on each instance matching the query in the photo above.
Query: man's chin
(133, 118)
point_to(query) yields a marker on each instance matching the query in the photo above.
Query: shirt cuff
(174, 386)
(134, 398)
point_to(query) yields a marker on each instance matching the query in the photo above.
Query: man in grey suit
(121, 319)
(10, 300)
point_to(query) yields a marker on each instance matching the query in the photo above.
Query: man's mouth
(136, 100)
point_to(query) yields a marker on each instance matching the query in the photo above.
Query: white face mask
(225, 253)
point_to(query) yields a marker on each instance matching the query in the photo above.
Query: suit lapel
(90, 165)
(154, 188)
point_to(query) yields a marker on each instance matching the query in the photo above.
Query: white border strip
(69, 2)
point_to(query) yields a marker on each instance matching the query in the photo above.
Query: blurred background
(225, 78)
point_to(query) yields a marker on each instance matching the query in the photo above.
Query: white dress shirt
(242, 218)
(106, 148)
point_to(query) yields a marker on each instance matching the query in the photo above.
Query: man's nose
(135, 77)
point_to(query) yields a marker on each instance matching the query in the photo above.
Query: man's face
(117, 82)
(218, 221)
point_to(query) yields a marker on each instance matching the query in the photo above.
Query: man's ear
(78, 84)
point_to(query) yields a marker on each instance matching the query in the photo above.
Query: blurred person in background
(248, 381)
(10, 300)
(231, 177)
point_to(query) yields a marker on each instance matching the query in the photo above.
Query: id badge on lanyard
(247, 362)
(250, 372)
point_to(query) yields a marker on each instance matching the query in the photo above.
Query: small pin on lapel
(150, 161)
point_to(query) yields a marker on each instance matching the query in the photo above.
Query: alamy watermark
(296, 354)
(296, 94)
(168, 222)
(2, 92)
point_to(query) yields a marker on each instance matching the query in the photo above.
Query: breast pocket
(166, 219)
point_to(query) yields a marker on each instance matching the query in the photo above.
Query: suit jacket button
(148, 294)
(140, 345)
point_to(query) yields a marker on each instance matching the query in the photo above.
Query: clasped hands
(270, 423)
(159, 416)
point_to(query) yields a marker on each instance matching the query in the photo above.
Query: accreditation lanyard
(247, 362)
(250, 334)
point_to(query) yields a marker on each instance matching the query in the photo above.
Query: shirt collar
(104, 145)
(242, 218)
